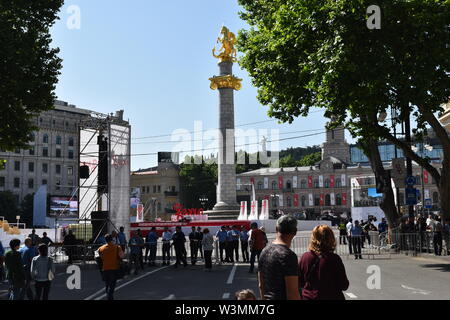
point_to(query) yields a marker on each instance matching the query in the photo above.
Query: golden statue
(227, 50)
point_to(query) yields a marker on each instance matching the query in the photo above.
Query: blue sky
(153, 59)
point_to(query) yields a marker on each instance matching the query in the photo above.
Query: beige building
(159, 190)
(445, 118)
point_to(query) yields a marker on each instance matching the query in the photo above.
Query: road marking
(226, 295)
(351, 295)
(231, 277)
(419, 291)
(123, 285)
(170, 297)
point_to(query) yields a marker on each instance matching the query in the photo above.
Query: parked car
(329, 217)
(300, 216)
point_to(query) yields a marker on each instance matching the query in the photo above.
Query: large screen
(63, 207)
(372, 192)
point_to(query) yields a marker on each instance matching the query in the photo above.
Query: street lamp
(203, 199)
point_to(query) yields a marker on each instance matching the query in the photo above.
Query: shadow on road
(439, 267)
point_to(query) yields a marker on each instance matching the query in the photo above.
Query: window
(30, 166)
(303, 201)
(31, 151)
(274, 185)
(274, 202)
(288, 185)
(316, 183)
(70, 183)
(16, 165)
(58, 153)
(70, 171)
(260, 185)
(328, 200)
(154, 189)
(58, 169)
(338, 200)
(289, 202)
(45, 138)
(337, 183)
(2, 182)
(45, 152)
(58, 140)
(16, 182)
(70, 154)
(31, 183)
(58, 185)
(327, 183)
(148, 189)
(159, 189)
(317, 201)
(45, 168)
(44, 181)
(303, 184)
(71, 142)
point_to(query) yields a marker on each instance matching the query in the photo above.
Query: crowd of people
(27, 267)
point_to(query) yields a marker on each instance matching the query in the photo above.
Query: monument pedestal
(222, 214)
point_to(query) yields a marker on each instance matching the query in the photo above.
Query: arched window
(338, 200)
(303, 184)
(289, 202)
(435, 197)
(327, 183)
(317, 200)
(71, 142)
(328, 200)
(58, 140)
(316, 183)
(274, 185)
(45, 138)
(274, 202)
(303, 201)
(288, 184)
(337, 183)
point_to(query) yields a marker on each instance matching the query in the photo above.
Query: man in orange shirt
(111, 256)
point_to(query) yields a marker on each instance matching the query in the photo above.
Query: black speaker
(103, 165)
(99, 225)
(84, 172)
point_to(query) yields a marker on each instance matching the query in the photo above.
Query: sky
(153, 59)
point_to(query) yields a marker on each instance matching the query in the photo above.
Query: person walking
(28, 252)
(193, 244)
(322, 273)
(436, 228)
(256, 243)
(349, 227)
(42, 272)
(221, 236)
(136, 245)
(357, 235)
(122, 239)
(244, 244)
(208, 246)
(179, 240)
(166, 237)
(69, 243)
(111, 255)
(15, 272)
(152, 243)
(278, 264)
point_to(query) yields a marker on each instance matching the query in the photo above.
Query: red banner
(266, 197)
(344, 199)
(322, 199)
(310, 182)
(295, 200)
(425, 176)
(280, 182)
(332, 181)
(252, 180)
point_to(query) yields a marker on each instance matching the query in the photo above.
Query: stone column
(226, 188)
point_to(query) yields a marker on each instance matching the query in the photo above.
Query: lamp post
(203, 199)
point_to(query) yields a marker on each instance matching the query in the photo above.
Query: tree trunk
(372, 152)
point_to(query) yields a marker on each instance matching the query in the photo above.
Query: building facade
(159, 189)
(52, 159)
(325, 186)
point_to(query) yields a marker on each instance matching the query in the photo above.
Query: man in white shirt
(430, 221)
(349, 227)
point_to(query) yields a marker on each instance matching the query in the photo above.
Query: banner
(140, 213)
(266, 183)
(310, 181)
(280, 182)
(253, 211)
(322, 199)
(252, 180)
(343, 180)
(332, 181)
(332, 199)
(243, 211)
(294, 182)
(344, 199)
(264, 210)
(295, 200)
(425, 176)
(427, 194)
(281, 200)
(320, 181)
(311, 200)
(238, 184)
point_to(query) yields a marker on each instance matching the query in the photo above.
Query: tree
(28, 67)
(310, 160)
(287, 161)
(8, 206)
(307, 53)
